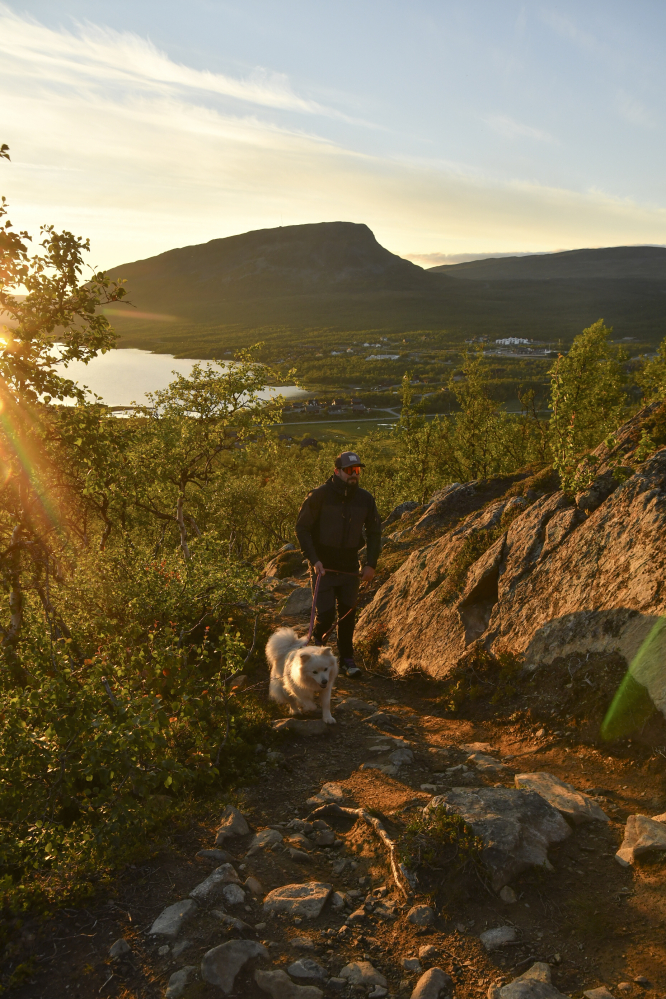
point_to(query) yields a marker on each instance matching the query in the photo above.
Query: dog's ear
(305, 657)
(327, 648)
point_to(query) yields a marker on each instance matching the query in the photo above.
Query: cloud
(512, 129)
(111, 139)
(103, 56)
(438, 259)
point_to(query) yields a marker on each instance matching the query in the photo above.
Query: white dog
(299, 672)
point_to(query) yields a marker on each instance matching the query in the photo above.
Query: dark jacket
(331, 522)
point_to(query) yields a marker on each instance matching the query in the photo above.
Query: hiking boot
(349, 667)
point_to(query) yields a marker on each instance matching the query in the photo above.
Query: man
(330, 529)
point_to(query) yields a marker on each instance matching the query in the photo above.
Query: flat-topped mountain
(609, 262)
(198, 300)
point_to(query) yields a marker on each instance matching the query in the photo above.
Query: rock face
(641, 834)
(516, 827)
(564, 797)
(298, 602)
(298, 900)
(557, 576)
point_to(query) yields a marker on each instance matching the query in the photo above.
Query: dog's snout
(324, 683)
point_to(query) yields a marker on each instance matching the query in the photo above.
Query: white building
(511, 341)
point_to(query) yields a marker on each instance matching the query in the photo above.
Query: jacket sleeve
(307, 518)
(373, 535)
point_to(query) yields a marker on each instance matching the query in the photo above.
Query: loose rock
(362, 973)
(298, 900)
(508, 895)
(400, 757)
(214, 882)
(119, 949)
(172, 919)
(253, 886)
(421, 915)
(498, 937)
(302, 943)
(233, 894)
(299, 856)
(328, 793)
(280, 986)
(484, 762)
(641, 834)
(428, 952)
(220, 965)
(305, 967)
(411, 964)
(564, 797)
(516, 827)
(600, 993)
(298, 602)
(263, 840)
(179, 981)
(232, 823)
(539, 972)
(432, 985)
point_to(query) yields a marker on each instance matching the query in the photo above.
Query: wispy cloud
(511, 129)
(438, 259)
(103, 56)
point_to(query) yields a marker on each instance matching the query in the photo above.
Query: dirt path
(593, 921)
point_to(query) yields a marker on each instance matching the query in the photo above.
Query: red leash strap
(314, 608)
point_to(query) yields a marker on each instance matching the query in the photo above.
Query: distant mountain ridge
(605, 263)
(336, 276)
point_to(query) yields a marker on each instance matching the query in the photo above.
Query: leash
(313, 612)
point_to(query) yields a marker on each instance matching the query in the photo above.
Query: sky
(453, 129)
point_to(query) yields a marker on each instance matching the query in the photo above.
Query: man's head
(348, 467)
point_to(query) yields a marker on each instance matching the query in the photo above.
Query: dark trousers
(336, 588)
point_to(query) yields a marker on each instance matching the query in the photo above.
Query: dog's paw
(328, 719)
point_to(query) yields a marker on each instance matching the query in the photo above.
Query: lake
(122, 377)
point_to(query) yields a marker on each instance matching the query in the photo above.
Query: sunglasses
(352, 470)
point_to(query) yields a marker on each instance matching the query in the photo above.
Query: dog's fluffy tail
(280, 643)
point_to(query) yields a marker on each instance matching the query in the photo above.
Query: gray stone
(362, 973)
(337, 900)
(233, 894)
(305, 967)
(214, 883)
(401, 757)
(214, 857)
(119, 949)
(300, 842)
(389, 769)
(233, 922)
(421, 915)
(264, 840)
(298, 602)
(600, 993)
(299, 900)
(280, 986)
(498, 937)
(232, 823)
(338, 984)
(539, 972)
(329, 793)
(641, 834)
(432, 985)
(378, 992)
(526, 988)
(484, 762)
(428, 952)
(516, 827)
(253, 886)
(307, 727)
(179, 981)
(430, 788)
(411, 964)
(172, 919)
(302, 943)
(299, 856)
(508, 895)
(564, 797)
(164, 950)
(220, 965)
(357, 916)
(180, 947)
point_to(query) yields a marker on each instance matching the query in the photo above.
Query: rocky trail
(290, 896)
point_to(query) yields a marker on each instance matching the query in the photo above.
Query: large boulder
(641, 835)
(554, 578)
(573, 804)
(516, 827)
